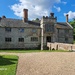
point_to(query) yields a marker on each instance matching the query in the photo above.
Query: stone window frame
(34, 39)
(7, 29)
(8, 39)
(34, 30)
(21, 30)
(21, 39)
(49, 28)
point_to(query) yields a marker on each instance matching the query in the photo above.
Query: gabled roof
(6, 22)
(63, 25)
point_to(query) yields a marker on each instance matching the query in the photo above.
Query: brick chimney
(66, 17)
(25, 15)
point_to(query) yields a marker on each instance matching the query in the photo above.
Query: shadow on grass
(6, 61)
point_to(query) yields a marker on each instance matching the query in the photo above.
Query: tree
(73, 25)
(37, 18)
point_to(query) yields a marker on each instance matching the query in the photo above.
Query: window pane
(34, 38)
(34, 30)
(49, 28)
(21, 29)
(21, 39)
(7, 39)
(8, 29)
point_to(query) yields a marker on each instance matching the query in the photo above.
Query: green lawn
(8, 64)
(74, 41)
(29, 51)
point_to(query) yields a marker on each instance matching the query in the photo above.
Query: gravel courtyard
(46, 63)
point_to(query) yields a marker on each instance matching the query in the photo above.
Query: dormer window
(8, 29)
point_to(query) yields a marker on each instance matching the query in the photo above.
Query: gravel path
(46, 63)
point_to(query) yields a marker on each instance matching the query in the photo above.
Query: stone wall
(15, 34)
(61, 46)
(65, 35)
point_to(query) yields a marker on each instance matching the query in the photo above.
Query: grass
(74, 42)
(30, 51)
(8, 64)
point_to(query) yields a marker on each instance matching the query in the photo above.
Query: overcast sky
(38, 8)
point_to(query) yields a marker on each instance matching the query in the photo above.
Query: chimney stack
(66, 17)
(25, 15)
(52, 15)
(3, 16)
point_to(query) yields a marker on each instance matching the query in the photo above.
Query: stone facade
(25, 34)
(53, 31)
(15, 34)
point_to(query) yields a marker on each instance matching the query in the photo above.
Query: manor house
(26, 34)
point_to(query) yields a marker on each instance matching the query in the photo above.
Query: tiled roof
(5, 22)
(64, 25)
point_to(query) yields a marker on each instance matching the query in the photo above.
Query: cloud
(36, 8)
(71, 14)
(57, 8)
(64, 2)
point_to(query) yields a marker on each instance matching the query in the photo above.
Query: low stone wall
(60, 46)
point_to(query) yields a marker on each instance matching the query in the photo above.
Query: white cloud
(64, 2)
(36, 8)
(71, 14)
(57, 8)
